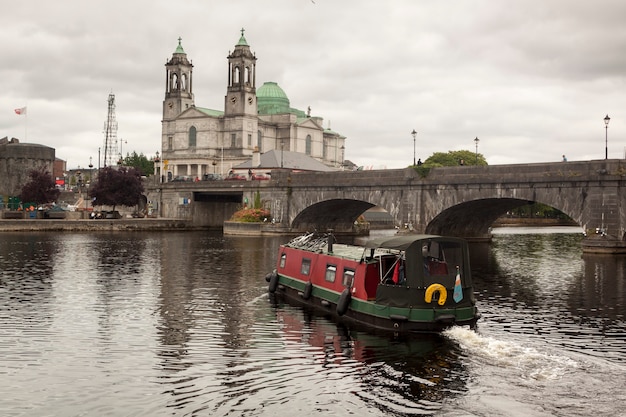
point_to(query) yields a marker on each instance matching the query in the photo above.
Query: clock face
(170, 104)
(233, 99)
(250, 100)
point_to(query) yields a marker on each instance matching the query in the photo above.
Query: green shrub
(251, 215)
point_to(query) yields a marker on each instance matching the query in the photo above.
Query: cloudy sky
(532, 79)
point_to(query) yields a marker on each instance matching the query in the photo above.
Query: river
(180, 324)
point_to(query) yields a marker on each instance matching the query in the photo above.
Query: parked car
(260, 177)
(211, 177)
(235, 177)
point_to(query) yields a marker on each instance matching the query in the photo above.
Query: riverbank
(88, 225)
(231, 228)
(532, 222)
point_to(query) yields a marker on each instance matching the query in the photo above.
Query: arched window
(192, 136)
(259, 141)
(237, 75)
(183, 82)
(174, 81)
(247, 75)
(307, 149)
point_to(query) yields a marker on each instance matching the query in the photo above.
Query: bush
(251, 215)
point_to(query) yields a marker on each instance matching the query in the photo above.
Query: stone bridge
(460, 201)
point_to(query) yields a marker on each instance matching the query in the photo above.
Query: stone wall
(16, 162)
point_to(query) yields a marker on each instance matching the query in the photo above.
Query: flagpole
(24, 112)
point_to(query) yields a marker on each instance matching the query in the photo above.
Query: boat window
(331, 273)
(305, 267)
(283, 259)
(348, 277)
(441, 258)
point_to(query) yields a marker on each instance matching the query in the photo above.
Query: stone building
(197, 140)
(17, 160)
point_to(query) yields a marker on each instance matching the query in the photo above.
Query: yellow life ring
(443, 293)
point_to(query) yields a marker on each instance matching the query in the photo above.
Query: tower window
(249, 139)
(237, 75)
(308, 145)
(233, 140)
(259, 141)
(169, 142)
(192, 136)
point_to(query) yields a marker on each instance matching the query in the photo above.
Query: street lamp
(90, 171)
(476, 142)
(414, 133)
(607, 119)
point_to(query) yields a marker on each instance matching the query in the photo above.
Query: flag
(21, 111)
(458, 290)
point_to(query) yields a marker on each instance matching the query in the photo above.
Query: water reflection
(553, 290)
(180, 324)
(398, 375)
(601, 290)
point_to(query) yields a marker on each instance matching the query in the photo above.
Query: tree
(117, 186)
(453, 158)
(141, 162)
(40, 189)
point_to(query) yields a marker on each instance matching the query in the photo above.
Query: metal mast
(110, 134)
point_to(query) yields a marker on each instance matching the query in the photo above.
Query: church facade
(197, 141)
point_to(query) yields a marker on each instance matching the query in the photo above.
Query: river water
(180, 324)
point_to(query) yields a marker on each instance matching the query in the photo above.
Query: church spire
(242, 40)
(178, 83)
(241, 89)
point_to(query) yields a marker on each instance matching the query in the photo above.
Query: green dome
(272, 99)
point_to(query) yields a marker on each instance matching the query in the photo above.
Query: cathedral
(197, 140)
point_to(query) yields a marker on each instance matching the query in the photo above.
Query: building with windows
(197, 140)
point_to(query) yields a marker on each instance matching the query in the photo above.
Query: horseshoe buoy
(443, 294)
(308, 290)
(273, 282)
(344, 302)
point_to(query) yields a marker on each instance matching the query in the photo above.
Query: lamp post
(90, 172)
(607, 119)
(414, 133)
(476, 142)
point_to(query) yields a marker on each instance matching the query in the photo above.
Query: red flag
(20, 111)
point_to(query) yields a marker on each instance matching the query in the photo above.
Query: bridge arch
(471, 218)
(338, 214)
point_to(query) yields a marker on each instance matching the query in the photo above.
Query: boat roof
(402, 242)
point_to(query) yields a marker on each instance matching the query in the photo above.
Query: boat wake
(529, 362)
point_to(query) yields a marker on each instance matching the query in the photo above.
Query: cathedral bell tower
(241, 92)
(178, 87)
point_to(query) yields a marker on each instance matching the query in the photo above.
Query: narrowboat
(402, 283)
